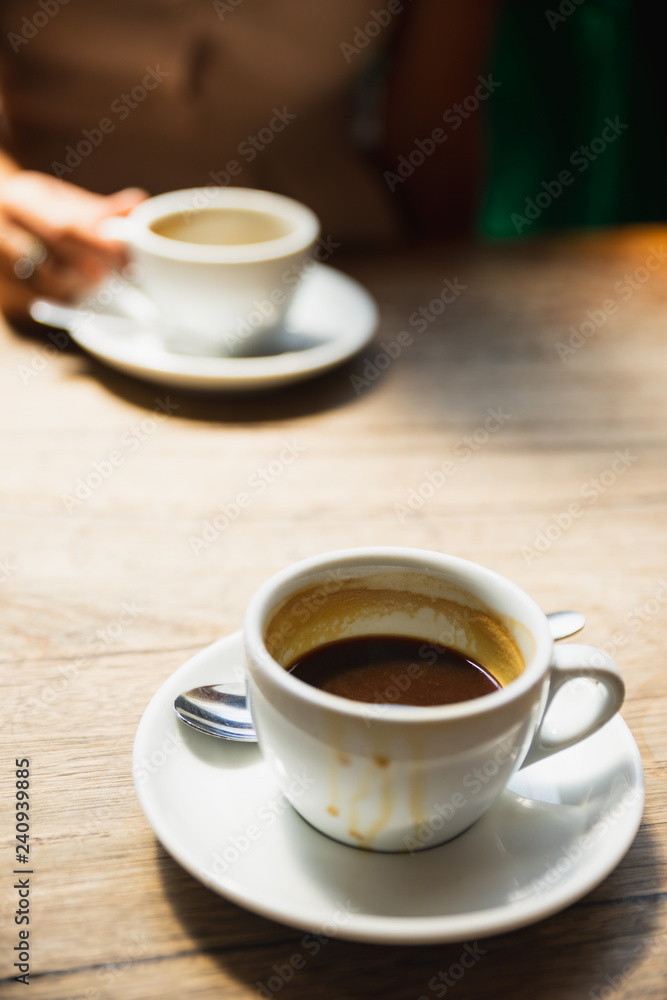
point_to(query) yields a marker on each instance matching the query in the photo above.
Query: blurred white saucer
(331, 319)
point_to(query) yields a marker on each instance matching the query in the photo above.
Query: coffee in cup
(394, 670)
(378, 768)
(222, 227)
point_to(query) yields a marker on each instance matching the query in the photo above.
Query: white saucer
(332, 317)
(562, 828)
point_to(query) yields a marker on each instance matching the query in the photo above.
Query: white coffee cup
(220, 264)
(393, 777)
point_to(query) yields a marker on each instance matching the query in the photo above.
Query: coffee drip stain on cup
(388, 670)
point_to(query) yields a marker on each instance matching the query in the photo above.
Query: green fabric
(565, 73)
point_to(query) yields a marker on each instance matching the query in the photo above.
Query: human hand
(48, 238)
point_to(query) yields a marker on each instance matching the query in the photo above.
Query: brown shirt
(167, 94)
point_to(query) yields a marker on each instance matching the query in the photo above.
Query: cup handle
(115, 227)
(571, 662)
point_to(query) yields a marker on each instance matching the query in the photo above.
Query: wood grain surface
(103, 599)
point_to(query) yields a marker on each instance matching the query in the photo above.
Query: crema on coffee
(222, 226)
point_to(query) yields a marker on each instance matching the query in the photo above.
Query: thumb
(121, 202)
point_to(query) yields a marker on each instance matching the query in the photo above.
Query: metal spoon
(53, 313)
(565, 623)
(146, 323)
(222, 709)
(219, 710)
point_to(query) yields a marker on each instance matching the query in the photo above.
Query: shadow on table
(329, 391)
(589, 950)
(317, 395)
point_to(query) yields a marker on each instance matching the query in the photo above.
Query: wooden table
(103, 599)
